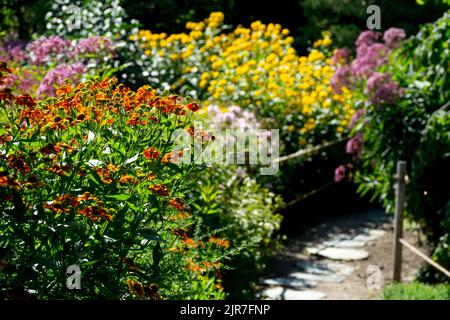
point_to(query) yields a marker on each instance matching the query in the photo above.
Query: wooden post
(398, 229)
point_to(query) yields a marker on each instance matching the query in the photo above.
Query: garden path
(346, 257)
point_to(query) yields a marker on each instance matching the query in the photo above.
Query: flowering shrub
(45, 64)
(402, 89)
(85, 180)
(256, 68)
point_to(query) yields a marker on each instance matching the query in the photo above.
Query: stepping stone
(280, 293)
(289, 282)
(333, 278)
(370, 235)
(347, 243)
(365, 237)
(343, 254)
(324, 268)
(377, 232)
(341, 268)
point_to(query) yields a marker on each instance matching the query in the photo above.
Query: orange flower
(5, 138)
(167, 158)
(220, 242)
(61, 171)
(191, 130)
(176, 203)
(136, 288)
(112, 168)
(105, 175)
(25, 100)
(193, 106)
(100, 96)
(151, 153)
(62, 204)
(63, 90)
(4, 181)
(189, 242)
(95, 213)
(50, 149)
(160, 190)
(18, 163)
(127, 179)
(151, 176)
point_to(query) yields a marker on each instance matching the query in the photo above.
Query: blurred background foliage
(306, 19)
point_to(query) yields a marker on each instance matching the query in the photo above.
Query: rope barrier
(424, 257)
(305, 152)
(304, 196)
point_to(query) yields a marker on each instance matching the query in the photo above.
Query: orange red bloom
(151, 153)
(160, 190)
(176, 203)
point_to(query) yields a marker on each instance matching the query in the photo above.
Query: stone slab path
(335, 259)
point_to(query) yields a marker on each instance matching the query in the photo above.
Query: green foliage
(416, 291)
(234, 206)
(79, 185)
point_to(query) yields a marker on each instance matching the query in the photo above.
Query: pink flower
(354, 146)
(44, 49)
(393, 37)
(57, 76)
(368, 58)
(381, 88)
(367, 38)
(355, 118)
(340, 173)
(93, 45)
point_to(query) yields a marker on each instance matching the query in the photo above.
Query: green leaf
(120, 197)
(150, 234)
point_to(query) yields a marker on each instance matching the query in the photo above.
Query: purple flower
(367, 38)
(343, 77)
(354, 146)
(381, 88)
(57, 76)
(393, 37)
(340, 173)
(44, 49)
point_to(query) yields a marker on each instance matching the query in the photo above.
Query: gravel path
(343, 258)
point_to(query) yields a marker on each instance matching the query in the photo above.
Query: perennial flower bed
(257, 69)
(80, 185)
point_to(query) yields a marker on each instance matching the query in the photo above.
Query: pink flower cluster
(45, 63)
(45, 49)
(56, 77)
(370, 55)
(93, 45)
(354, 146)
(381, 88)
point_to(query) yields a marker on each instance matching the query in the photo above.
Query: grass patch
(416, 291)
